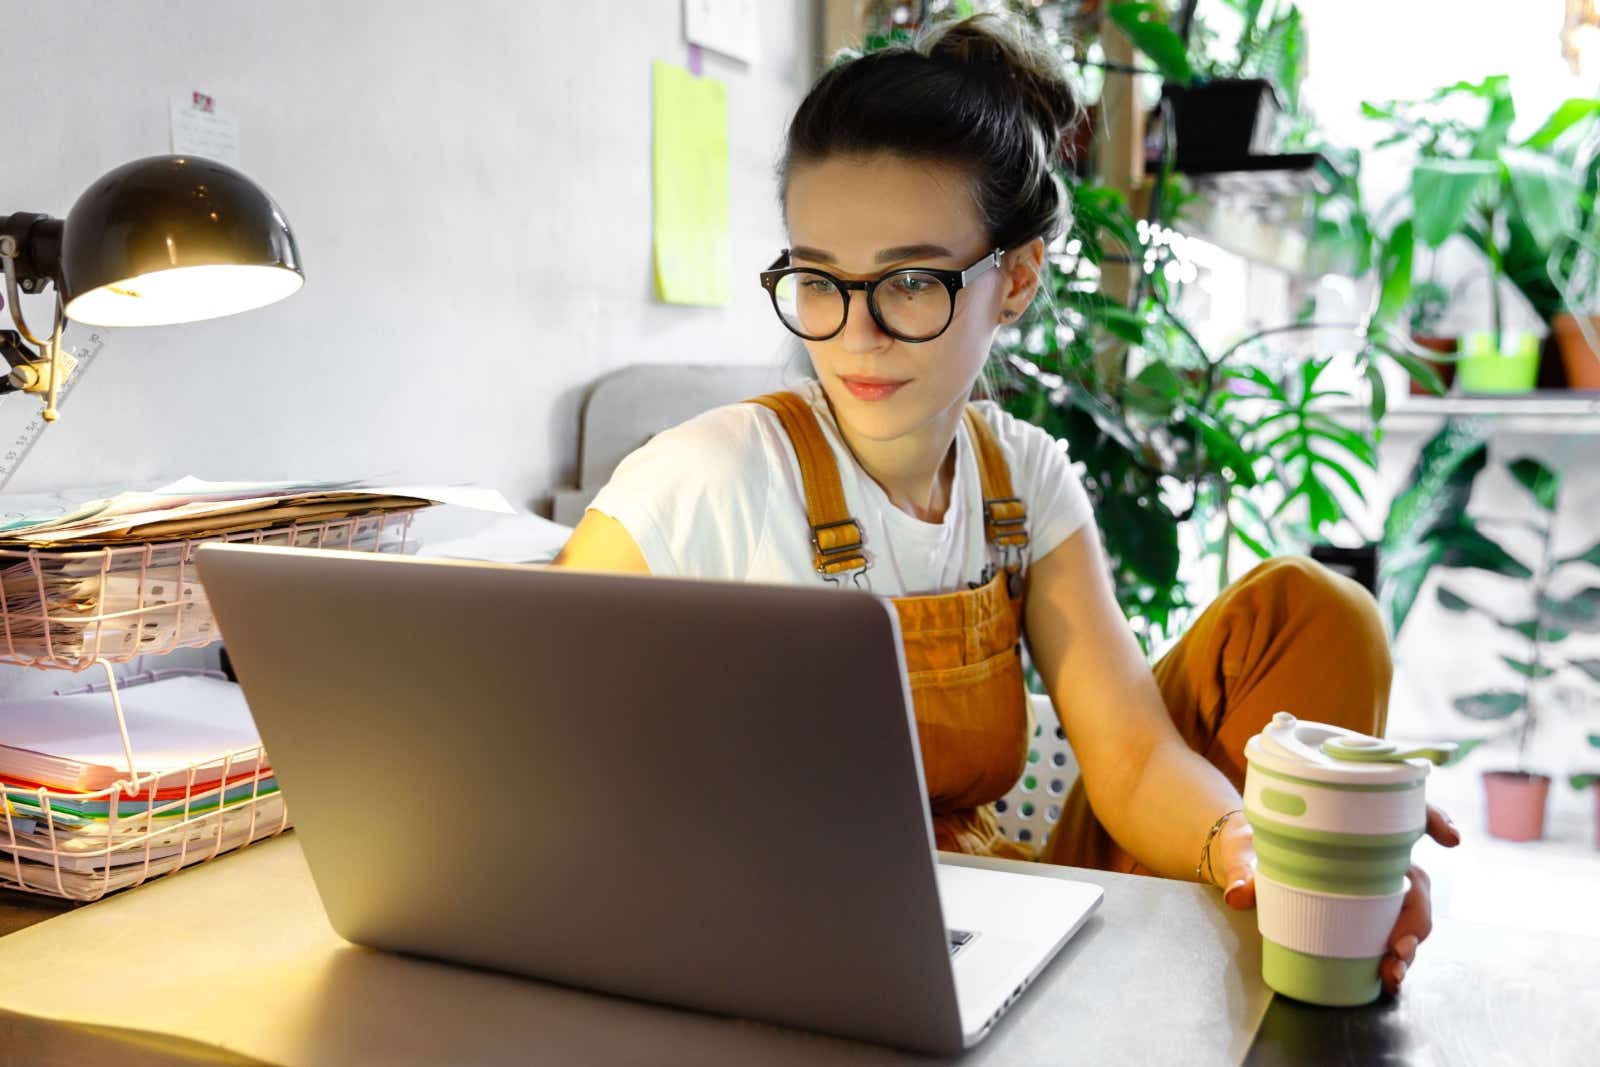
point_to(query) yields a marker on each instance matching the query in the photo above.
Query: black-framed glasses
(911, 304)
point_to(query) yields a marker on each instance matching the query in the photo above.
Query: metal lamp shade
(174, 239)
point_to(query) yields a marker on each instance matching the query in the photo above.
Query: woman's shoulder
(723, 445)
(1022, 440)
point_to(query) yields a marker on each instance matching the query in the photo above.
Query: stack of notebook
(75, 823)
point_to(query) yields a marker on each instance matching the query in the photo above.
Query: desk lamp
(157, 241)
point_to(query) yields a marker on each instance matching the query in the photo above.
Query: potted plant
(1519, 203)
(1237, 92)
(1425, 311)
(1577, 277)
(1588, 780)
(1517, 797)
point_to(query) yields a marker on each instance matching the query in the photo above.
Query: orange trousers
(1289, 636)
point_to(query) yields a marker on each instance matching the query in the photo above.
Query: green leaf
(1146, 26)
(1491, 705)
(1591, 667)
(1421, 369)
(1402, 584)
(1465, 545)
(1568, 115)
(1545, 194)
(1541, 481)
(1145, 534)
(1440, 484)
(1155, 390)
(1527, 670)
(1380, 394)
(1534, 630)
(1594, 740)
(1122, 323)
(1451, 602)
(1502, 113)
(1592, 556)
(1318, 460)
(1346, 438)
(1442, 191)
(1224, 447)
(1394, 273)
(1261, 551)
(1584, 781)
(1325, 510)
(1579, 613)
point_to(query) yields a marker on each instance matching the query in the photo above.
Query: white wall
(470, 187)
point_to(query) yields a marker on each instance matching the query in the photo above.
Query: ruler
(17, 450)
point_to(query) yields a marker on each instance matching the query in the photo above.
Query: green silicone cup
(1348, 864)
(1325, 980)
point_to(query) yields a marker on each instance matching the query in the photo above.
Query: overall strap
(1005, 516)
(835, 535)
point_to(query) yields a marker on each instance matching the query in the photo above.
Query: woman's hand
(1416, 913)
(1233, 864)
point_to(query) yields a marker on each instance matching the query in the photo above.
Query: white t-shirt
(720, 496)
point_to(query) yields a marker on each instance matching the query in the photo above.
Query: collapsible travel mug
(1335, 814)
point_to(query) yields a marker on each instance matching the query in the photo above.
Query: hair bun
(1016, 62)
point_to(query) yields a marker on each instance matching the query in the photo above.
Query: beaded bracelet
(1209, 876)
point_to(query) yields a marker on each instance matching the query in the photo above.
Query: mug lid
(1294, 747)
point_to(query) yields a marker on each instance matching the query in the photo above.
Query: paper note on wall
(690, 163)
(726, 26)
(199, 129)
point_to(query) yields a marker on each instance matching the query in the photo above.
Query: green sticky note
(692, 258)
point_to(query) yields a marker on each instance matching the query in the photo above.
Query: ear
(1022, 268)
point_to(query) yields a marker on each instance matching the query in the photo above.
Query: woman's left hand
(1235, 867)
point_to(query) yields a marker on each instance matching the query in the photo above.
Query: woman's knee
(1334, 616)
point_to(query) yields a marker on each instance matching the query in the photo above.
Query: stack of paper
(87, 582)
(191, 508)
(73, 742)
(66, 827)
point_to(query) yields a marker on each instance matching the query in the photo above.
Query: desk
(232, 963)
(234, 959)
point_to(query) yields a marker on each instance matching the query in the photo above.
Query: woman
(919, 194)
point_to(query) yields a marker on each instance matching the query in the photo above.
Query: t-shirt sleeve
(694, 498)
(1050, 484)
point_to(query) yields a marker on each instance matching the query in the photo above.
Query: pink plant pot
(1516, 804)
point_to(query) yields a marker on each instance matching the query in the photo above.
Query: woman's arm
(601, 543)
(1155, 796)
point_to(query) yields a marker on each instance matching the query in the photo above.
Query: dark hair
(982, 94)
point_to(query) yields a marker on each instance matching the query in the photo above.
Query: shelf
(1287, 175)
(1546, 412)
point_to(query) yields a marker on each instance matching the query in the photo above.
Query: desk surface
(235, 961)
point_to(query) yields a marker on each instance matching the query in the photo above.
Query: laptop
(696, 793)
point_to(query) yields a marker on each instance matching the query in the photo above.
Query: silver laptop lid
(692, 792)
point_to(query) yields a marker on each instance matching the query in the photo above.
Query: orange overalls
(1289, 635)
(963, 651)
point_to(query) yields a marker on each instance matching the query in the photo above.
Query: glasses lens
(809, 304)
(913, 305)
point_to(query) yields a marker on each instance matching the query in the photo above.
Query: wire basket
(71, 609)
(75, 609)
(81, 846)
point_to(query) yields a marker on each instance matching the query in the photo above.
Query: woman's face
(857, 217)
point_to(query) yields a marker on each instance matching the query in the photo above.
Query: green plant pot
(1484, 368)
